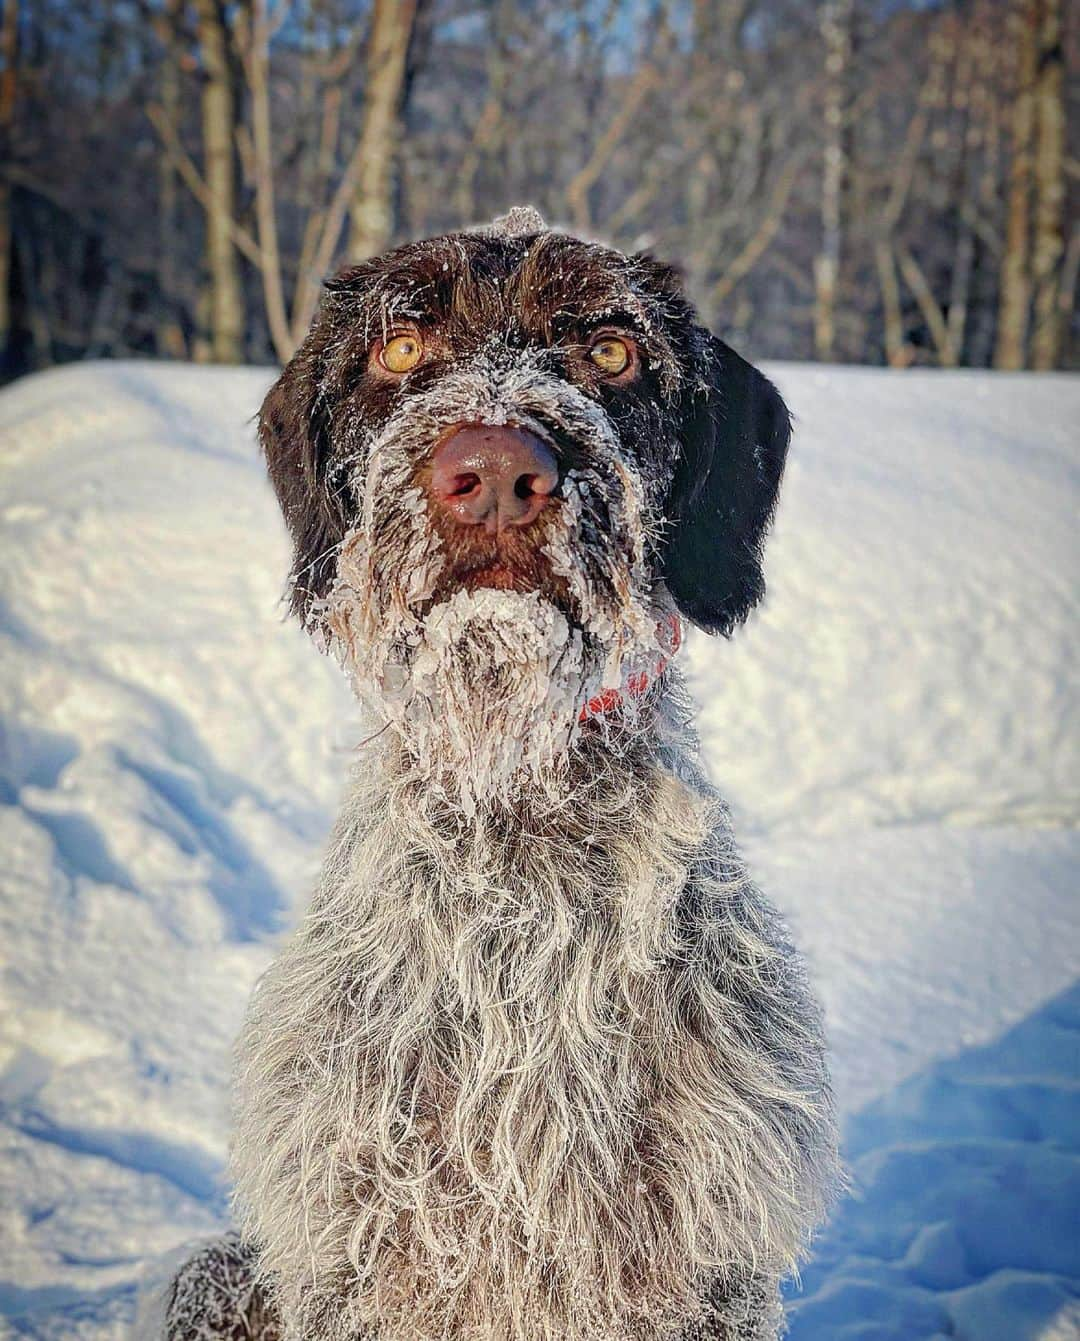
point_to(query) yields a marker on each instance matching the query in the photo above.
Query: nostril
(536, 484)
(463, 485)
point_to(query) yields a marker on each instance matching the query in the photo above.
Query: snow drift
(897, 732)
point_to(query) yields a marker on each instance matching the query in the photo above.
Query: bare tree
(218, 130)
(258, 75)
(170, 336)
(1048, 247)
(9, 51)
(1015, 266)
(372, 204)
(836, 19)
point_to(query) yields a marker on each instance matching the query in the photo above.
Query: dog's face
(514, 447)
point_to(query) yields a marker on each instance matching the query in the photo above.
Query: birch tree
(1011, 348)
(218, 130)
(9, 51)
(836, 33)
(1048, 247)
(372, 204)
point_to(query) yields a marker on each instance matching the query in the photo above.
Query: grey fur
(520, 221)
(545, 1090)
(539, 1063)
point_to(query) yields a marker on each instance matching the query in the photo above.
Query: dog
(539, 1064)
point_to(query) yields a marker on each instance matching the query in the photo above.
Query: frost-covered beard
(486, 687)
(491, 693)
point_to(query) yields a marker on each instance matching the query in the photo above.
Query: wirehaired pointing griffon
(539, 1064)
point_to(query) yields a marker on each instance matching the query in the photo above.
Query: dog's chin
(498, 573)
(497, 577)
(482, 666)
(486, 695)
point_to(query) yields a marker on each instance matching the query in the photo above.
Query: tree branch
(192, 179)
(924, 296)
(577, 192)
(752, 252)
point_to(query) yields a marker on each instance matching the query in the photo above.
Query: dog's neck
(621, 737)
(590, 794)
(639, 681)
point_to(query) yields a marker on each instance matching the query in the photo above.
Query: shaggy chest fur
(539, 1064)
(541, 1074)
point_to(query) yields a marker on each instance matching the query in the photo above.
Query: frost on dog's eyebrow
(418, 289)
(402, 298)
(574, 289)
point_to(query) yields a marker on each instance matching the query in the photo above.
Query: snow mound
(896, 731)
(914, 661)
(967, 1182)
(170, 757)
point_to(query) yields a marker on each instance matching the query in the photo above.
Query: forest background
(867, 181)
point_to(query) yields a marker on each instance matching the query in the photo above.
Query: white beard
(486, 692)
(490, 696)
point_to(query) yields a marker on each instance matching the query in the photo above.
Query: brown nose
(493, 475)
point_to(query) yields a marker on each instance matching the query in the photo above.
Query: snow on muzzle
(591, 535)
(484, 687)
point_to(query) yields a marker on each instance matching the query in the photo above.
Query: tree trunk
(836, 32)
(372, 205)
(965, 137)
(9, 50)
(258, 68)
(1048, 246)
(710, 68)
(169, 337)
(218, 121)
(1015, 275)
(898, 353)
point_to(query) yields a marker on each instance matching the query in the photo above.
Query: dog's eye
(401, 353)
(611, 355)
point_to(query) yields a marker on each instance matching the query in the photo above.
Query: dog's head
(519, 441)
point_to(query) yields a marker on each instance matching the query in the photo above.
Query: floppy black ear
(724, 491)
(295, 440)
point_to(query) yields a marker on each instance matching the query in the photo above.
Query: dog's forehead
(493, 280)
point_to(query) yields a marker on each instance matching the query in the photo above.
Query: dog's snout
(493, 476)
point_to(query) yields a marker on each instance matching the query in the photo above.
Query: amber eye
(611, 355)
(402, 353)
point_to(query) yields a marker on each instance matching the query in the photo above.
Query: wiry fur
(424, 663)
(524, 1091)
(217, 1296)
(539, 1064)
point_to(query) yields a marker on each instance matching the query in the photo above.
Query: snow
(896, 732)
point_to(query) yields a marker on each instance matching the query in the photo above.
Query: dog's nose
(493, 476)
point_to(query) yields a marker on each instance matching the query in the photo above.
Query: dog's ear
(724, 490)
(295, 440)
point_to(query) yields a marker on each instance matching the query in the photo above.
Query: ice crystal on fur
(523, 1090)
(487, 691)
(539, 1064)
(521, 221)
(487, 687)
(215, 1296)
(492, 691)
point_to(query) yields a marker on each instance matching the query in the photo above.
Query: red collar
(669, 638)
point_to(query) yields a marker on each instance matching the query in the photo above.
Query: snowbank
(896, 731)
